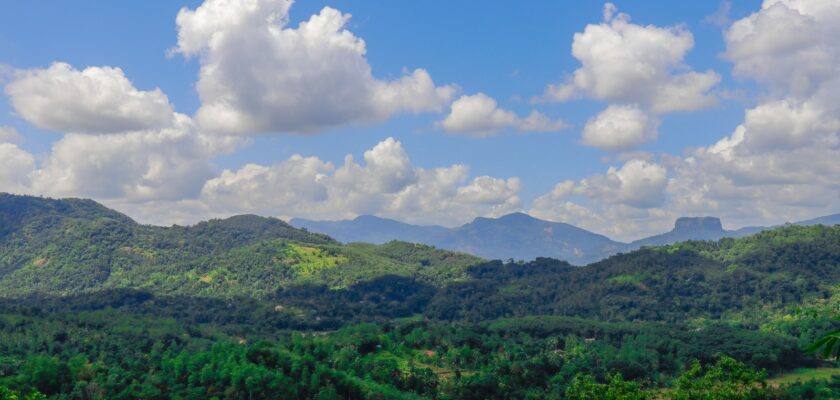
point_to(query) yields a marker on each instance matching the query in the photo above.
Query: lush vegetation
(93, 305)
(65, 247)
(115, 354)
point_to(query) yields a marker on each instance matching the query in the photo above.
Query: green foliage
(727, 379)
(8, 394)
(584, 387)
(828, 345)
(67, 247)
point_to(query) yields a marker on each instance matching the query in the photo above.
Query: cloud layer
(386, 184)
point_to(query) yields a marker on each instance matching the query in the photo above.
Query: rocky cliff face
(698, 223)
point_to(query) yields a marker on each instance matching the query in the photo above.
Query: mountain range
(523, 237)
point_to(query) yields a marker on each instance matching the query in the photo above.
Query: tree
(829, 345)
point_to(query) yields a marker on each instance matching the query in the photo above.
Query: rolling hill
(61, 247)
(74, 247)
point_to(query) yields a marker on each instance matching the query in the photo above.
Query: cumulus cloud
(619, 128)
(166, 164)
(788, 45)
(479, 115)
(149, 152)
(260, 75)
(637, 183)
(623, 202)
(635, 64)
(387, 184)
(16, 170)
(93, 100)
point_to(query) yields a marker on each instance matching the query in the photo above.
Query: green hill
(64, 247)
(772, 270)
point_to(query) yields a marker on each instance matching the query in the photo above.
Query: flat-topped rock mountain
(685, 228)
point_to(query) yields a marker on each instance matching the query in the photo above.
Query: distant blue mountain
(522, 237)
(518, 236)
(371, 229)
(832, 219)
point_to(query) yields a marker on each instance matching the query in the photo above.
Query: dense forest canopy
(94, 305)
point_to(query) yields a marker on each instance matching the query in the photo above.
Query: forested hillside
(62, 247)
(93, 305)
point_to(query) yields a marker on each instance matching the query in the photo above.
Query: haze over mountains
(521, 236)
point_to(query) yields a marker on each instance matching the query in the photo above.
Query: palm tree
(829, 345)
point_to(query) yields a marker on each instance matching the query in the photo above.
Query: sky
(615, 117)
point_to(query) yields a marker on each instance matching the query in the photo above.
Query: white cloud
(150, 153)
(479, 115)
(637, 183)
(93, 100)
(624, 202)
(167, 164)
(9, 134)
(789, 45)
(387, 185)
(16, 169)
(620, 128)
(260, 75)
(628, 63)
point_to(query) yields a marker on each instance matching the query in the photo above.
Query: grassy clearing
(804, 375)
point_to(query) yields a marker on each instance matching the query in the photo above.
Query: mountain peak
(517, 216)
(368, 217)
(698, 223)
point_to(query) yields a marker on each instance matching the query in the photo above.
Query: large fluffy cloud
(479, 115)
(640, 71)
(629, 63)
(120, 143)
(16, 170)
(623, 202)
(165, 164)
(386, 184)
(789, 45)
(260, 75)
(93, 100)
(619, 127)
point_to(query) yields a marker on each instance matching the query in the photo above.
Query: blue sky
(508, 52)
